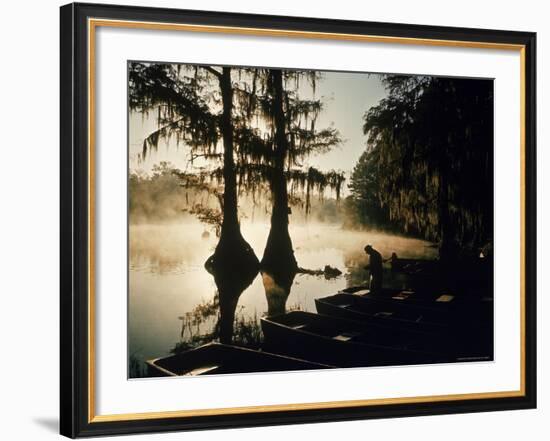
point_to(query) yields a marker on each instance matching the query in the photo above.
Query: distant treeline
(428, 166)
(159, 196)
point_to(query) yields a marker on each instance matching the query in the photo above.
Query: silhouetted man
(375, 267)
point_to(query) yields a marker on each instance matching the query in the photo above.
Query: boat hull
(215, 358)
(342, 343)
(461, 335)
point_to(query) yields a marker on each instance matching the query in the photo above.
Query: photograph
(294, 219)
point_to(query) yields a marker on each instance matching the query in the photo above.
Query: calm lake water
(168, 283)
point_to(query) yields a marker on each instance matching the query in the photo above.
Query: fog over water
(167, 278)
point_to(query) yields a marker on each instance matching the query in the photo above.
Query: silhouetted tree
(187, 102)
(430, 154)
(290, 136)
(365, 195)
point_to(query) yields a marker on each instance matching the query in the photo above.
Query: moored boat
(436, 306)
(356, 307)
(346, 343)
(216, 358)
(462, 334)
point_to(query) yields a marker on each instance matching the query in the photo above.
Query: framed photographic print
(273, 220)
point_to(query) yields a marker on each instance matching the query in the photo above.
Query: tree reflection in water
(218, 319)
(277, 285)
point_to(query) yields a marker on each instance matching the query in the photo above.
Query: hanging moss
(427, 169)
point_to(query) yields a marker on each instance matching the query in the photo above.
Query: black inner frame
(74, 219)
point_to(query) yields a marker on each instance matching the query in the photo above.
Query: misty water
(168, 281)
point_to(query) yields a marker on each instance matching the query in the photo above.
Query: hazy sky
(346, 97)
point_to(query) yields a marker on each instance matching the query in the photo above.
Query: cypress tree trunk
(278, 252)
(233, 255)
(230, 224)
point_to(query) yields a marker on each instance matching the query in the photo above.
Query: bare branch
(212, 71)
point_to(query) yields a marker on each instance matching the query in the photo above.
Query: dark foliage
(428, 167)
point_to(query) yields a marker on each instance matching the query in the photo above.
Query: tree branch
(212, 71)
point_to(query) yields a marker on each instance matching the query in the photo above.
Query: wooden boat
(401, 297)
(462, 334)
(435, 306)
(356, 307)
(216, 358)
(345, 343)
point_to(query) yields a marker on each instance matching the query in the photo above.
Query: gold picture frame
(79, 24)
